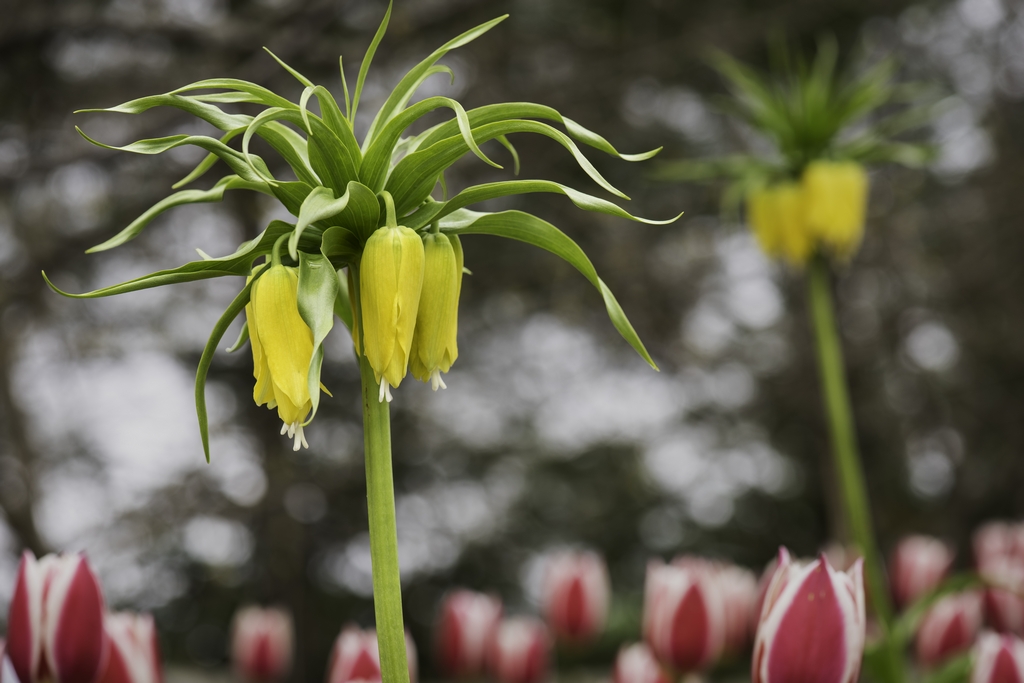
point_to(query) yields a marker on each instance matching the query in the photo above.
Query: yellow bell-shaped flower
(835, 200)
(776, 214)
(434, 346)
(390, 281)
(282, 346)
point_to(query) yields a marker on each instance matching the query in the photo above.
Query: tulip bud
(466, 625)
(1004, 611)
(576, 595)
(812, 624)
(282, 347)
(949, 627)
(636, 664)
(835, 201)
(356, 657)
(518, 653)
(390, 282)
(740, 595)
(777, 216)
(134, 651)
(684, 616)
(434, 346)
(999, 554)
(55, 626)
(998, 659)
(917, 567)
(261, 644)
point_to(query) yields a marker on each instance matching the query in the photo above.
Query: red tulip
(1004, 611)
(465, 626)
(636, 664)
(998, 659)
(999, 554)
(684, 614)
(949, 627)
(812, 624)
(576, 595)
(356, 657)
(262, 644)
(55, 627)
(917, 566)
(518, 652)
(134, 652)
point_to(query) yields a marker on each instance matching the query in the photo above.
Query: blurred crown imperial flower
(684, 619)
(918, 565)
(134, 650)
(465, 627)
(262, 643)
(519, 651)
(949, 627)
(637, 664)
(434, 344)
(998, 659)
(812, 625)
(356, 657)
(576, 595)
(55, 624)
(365, 215)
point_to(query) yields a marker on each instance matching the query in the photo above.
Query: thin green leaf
(532, 230)
(340, 245)
(208, 161)
(330, 158)
(367, 59)
(436, 69)
(259, 94)
(299, 77)
(401, 93)
(293, 156)
(199, 109)
(318, 288)
(291, 194)
(319, 205)
(344, 88)
(906, 625)
(957, 670)
(362, 213)
(214, 194)
(243, 336)
(511, 150)
(333, 119)
(342, 303)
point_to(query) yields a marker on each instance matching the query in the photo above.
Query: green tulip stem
(380, 498)
(844, 448)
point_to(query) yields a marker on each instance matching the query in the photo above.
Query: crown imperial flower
(835, 195)
(434, 345)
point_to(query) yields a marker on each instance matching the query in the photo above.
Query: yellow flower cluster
(825, 210)
(409, 289)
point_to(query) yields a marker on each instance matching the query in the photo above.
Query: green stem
(844, 448)
(380, 494)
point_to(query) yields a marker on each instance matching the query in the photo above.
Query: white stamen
(436, 381)
(284, 428)
(300, 437)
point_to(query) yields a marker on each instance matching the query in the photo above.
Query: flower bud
(740, 594)
(918, 566)
(356, 657)
(637, 664)
(1004, 611)
(466, 625)
(282, 347)
(576, 595)
(684, 619)
(518, 652)
(999, 554)
(812, 625)
(434, 346)
(262, 644)
(390, 281)
(55, 625)
(776, 214)
(949, 627)
(134, 651)
(835, 200)
(998, 659)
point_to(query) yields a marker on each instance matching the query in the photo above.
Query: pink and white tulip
(262, 641)
(466, 624)
(684, 619)
(519, 651)
(1004, 611)
(918, 565)
(55, 626)
(740, 594)
(134, 651)
(637, 664)
(998, 659)
(999, 554)
(812, 624)
(7, 674)
(576, 595)
(950, 627)
(356, 657)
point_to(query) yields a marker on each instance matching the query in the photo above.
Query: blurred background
(552, 432)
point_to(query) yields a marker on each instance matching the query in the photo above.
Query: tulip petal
(23, 625)
(78, 646)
